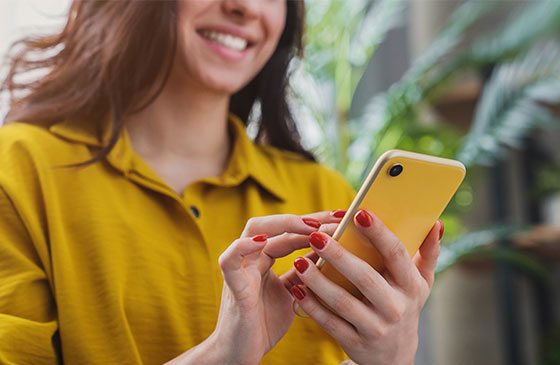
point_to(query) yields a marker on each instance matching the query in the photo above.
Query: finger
(369, 281)
(329, 228)
(274, 225)
(345, 304)
(337, 327)
(395, 256)
(290, 278)
(334, 216)
(231, 261)
(426, 257)
(285, 244)
(281, 246)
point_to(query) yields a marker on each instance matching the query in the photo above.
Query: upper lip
(232, 30)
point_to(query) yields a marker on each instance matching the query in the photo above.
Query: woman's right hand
(256, 307)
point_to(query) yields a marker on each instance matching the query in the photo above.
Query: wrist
(207, 352)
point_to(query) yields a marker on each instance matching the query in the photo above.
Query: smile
(226, 40)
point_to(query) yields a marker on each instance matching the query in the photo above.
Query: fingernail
(301, 265)
(441, 229)
(312, 222)
(260, 238)
(339, 213)
(298, 292)
(364, 218)
(317, 240)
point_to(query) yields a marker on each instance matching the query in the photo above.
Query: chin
(226, 84)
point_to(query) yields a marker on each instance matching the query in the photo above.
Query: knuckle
(330, 325)
(222, 261)
(365, 281)
(342, 303)
(356, 342)
(378, 331)
(395, 313)
(416, 285)
(311, 310)
(397, 249)
(252, 223)
(337, 253)
(225, 257)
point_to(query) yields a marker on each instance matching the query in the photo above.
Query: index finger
(274, 225)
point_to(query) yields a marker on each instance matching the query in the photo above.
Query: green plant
(548, 181)
(342, 37)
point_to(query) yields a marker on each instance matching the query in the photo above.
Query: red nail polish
(298, 292)
(317, 240)
(441, 230)
(301, 265)
(364, 218)
(260, 238)
(312, 222)
(339, 213)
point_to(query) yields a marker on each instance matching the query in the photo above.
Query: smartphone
(408, 192)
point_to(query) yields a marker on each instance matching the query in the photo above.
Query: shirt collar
(251, 160)
(247, 159)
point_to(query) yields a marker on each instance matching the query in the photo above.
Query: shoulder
(27, 151)
(304, 179)
(16, 138)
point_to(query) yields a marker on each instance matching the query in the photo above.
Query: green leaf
(522, 28)
(383, 16)
(452, 252)
(510, 104)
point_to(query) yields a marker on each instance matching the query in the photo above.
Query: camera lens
(395, 170)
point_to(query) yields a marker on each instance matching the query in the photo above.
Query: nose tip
(242, 8)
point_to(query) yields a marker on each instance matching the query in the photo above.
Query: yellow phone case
(409, 204)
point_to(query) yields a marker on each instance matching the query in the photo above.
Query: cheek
(276, 21)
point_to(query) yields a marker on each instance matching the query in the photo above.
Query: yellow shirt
(108, 265)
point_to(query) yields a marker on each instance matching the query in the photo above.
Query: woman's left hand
(382, 328)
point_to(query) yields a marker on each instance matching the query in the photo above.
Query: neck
(182, 124)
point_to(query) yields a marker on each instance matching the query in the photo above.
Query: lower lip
(224, 51)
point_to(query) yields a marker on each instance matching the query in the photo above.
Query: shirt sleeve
(28, 317)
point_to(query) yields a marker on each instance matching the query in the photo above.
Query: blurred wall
(20, 18)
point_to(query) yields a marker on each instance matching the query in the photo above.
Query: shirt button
(194, 211)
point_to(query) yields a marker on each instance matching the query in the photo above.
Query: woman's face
(223, 44)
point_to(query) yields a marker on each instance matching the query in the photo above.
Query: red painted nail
(301, 265)
(260, 238)
(364, 218)
(339, 213)
(441, 229)
(298, 292)
(312, 222)
(317, 240)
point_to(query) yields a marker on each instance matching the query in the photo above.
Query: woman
(127, 180)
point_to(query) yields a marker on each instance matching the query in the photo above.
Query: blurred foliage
(548, 180)
(518, 60)
(551, 348)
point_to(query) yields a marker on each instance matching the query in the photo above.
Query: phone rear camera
(395, 170)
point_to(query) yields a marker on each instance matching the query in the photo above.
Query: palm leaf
(382, 123)
(452, 252)
(530, 22)
(511, 104)
(341, 38)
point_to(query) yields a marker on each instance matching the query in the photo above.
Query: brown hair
(91, 70)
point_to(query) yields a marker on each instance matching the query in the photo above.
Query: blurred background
(475, 80)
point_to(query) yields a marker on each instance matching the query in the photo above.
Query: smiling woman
(103, 42)
(141, 225)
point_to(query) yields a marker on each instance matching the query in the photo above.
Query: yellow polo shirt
(106, 264)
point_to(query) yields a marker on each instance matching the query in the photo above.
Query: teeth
(228, 40)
